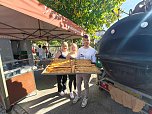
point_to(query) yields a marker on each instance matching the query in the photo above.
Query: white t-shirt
(40, 51)
(88, 53)
(43, 54)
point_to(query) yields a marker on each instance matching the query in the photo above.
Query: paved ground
(2, 110)
(47, 101)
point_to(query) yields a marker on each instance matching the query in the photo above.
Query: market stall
(20, 22)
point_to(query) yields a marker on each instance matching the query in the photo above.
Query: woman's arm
(68, 56)
(57, 54)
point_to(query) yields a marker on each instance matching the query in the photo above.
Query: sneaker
(65, 92)
(71, 95)
(74, 91)
(76, 99)
(84, 102)
(61, 93)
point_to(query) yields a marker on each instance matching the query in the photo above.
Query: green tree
(92, 15)
(39, 42)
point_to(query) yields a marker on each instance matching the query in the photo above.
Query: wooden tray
(76, 71)
(73, 67)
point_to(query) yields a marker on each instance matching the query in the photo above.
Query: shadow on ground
(51, 103)
(44, 81)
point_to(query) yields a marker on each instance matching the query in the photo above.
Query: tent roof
(29, 19)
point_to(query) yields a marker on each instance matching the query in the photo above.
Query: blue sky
(126, 6)
(129, 4)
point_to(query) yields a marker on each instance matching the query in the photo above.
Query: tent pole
(29, 52)
(48, 45)
(3, 88)
(47, 42)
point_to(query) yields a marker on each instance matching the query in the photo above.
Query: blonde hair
(64, 43)
(75, 45)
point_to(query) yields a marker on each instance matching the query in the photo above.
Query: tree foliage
(92, 15)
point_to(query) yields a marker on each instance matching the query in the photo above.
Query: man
(40, 52)
(85, 52)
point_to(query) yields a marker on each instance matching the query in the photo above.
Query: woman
(72, 78)
(61, 79)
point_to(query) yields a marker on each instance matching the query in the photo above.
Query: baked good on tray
(58, 70)
(88, 70)
(83, 62)
(60, 66)
(61, 63)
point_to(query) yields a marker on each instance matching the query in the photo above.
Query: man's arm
(93, 57)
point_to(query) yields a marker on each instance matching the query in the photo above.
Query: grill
(126, 52)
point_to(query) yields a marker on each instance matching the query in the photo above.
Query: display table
(20, 82)
(20, 70)
(19, 86)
